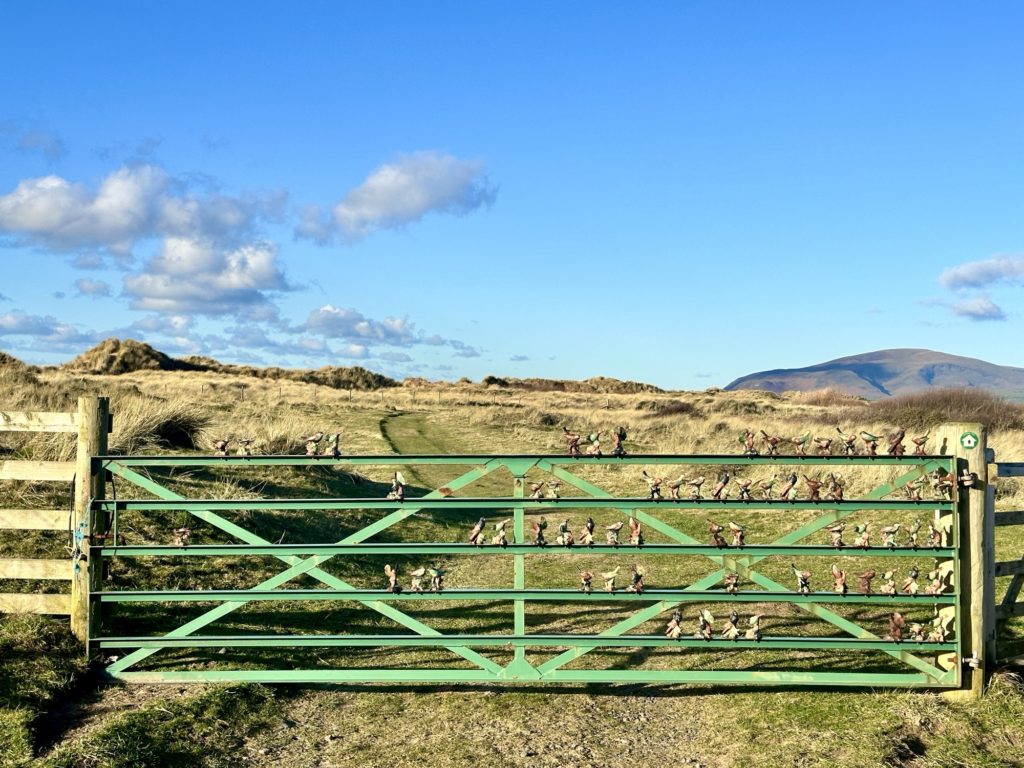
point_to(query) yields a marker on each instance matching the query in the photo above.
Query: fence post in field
(967, 441)
(93, 419)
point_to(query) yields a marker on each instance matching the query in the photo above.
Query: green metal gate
(844, 644)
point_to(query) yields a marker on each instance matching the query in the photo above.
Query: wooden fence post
(967, 441)
(93, 420)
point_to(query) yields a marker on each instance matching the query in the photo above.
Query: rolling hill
(890, 372)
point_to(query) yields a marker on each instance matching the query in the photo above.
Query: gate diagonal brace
(740, 565)
(301, 566)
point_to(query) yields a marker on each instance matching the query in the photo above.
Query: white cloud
(978, 274)
(979, 309)
(88, 287)
(46, 330)
(400, 193)
(340, 323)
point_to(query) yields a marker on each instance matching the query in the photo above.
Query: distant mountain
(891, 372)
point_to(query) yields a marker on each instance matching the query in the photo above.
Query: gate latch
(972, 661)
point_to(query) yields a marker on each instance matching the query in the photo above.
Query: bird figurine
(800, 443)
(436, 579)
(245, 446)
(392, 576)
(221, 447)
(500, 537)
(835, 534)
(824, 445)
(612, 533)
(937, 535)
(870, 442)
(942, 483)
(813, 488)
(723, 480)
(674, 486)
(863, 539)
(835, 487)
(587, 533)
(586, 577)
(747, 438)
(730, 630)
(537, 490)
(675, 625)
(941, 624)
(636, 579)
(618, 438)
(919, 443)
(743, 486)
(705, 624)
(416, 579)
(896, 622)
(717, 540)
(937, 578)
(180, 536)
(916, 632)
(313, 443)
(636, 534)
(553, 488)
(803, 580)
(789, 486)
(738, 534)
(772, 441)
(839, 579)
(539, 526)
(476, 536)
(397, 492)
(766, 487)
(565, 537)
(910, 585)
(889, 534)
(609, 578)
(849, 442)
(895, 440)
(653, 485)
(754, 630)
(864, 582)
(594, 438)
(333, 449)
(695, 485)
(889, 583)
(912, 531)
(572, 442)
(914, 489)
(731, 582)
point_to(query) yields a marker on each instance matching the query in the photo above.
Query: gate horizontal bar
(562, 595)
(463, 504)
(410, 549)
(1015, 517)
(485, 641)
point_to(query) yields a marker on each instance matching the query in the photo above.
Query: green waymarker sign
(969, 440)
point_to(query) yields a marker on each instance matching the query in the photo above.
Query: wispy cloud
(979, 274)
(50, 145)
(45, 331)
(88, 287)
(980, 309)
(400, 193)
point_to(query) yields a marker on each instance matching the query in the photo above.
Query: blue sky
(679, 193)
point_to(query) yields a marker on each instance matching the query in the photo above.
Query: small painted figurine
(803, 580)
(835, 487)
(221, 447)
(863, 539)
(397, 492)
(754, 631)
(572, 442)
(723, 480)
(864, 582)
(333, 448)
(674, 630)
(587, 533)
(941, 624)
(870, 442)
(889, 534)
(539, 526)
(609, 578)
(936, 581)
(653, 485)
(565, 537)
(476, 536)
(180, 536)
(766, 486)
(245, 446)
(910, 585)
(936, 535)
(914, 489)
(436, 579)
(392, 575)
(839, 580)
(636, 579)
(813, 488)
(743, 486)
(739, 536)
(586, 577)
(896, 447)
(732, 581)
(730, 630)
(717, 540)
(942, 483)
(747, 438)
(916, 633)
(416, 583)
(912, 532)
(674, 486)
(919, 443)
(313, 443)
(705, 624)
(849, 442)
(835, 533)
(824, 445)
(889, 583)
(800, 443)
(594, 438)
(618, 438)
(695, 485)
(789, 486)
(636, 534)
(612, 533)
(500, 537)
(537, 490)
(553, 486)
(772, 441)
(896, 622)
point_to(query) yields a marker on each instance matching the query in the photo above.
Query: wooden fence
(1009, 606)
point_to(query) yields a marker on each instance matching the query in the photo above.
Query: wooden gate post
(967, 441)
(93, 420)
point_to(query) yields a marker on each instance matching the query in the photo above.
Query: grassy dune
(50, 709)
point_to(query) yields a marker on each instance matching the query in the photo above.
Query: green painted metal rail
(923, 664)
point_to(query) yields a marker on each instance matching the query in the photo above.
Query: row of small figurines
(221, 446)
(938, 536)
(941, 481)
(939, 579)
(565, 537)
